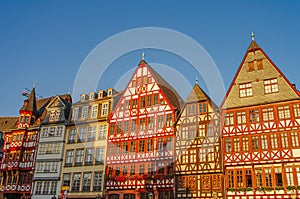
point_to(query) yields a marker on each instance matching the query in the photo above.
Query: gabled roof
(30, 105)
(256, 77)
(170, 93)
(7, 123)
(197, 95)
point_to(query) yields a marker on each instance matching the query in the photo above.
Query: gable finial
(252, 36)
(196, 80)
(69, 91)
(34, 84)
(143, 56)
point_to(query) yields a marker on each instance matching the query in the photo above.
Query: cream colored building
(83, 167)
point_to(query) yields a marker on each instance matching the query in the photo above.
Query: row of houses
(146, 142)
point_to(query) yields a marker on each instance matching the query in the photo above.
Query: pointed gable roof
(7, 123)
(30, 103)
(197, 95)
(249, 72)
(170, 93)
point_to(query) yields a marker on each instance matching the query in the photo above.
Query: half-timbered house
(198, 160)
(141, 138)
(261, 131)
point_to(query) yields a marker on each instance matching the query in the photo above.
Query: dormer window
(92, 95)
(83, 97)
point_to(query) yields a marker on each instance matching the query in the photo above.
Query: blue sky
(46, 41)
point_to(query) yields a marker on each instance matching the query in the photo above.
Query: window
(245, 90)
(193, 153)
(79, 157)
(119, 127)
(69, 157)
(82, 135)
(296, 110)
(66, 179)
(141, 145)
(278, 177)
(254, 115)
(150, 123)
(38, 189)
(57, 115)
(228, 146)
(295, 139)
(86, 184)
(169, 145)
(274, 141)
(59, 131)
(142, 169)
(169, 121)
(112, 128)
(161, 167)
(132, 147)
(239, 176)
(160, 143)
(53, 188)
(102, 132)
(45, 132)
(133, 126)
(160, 121)
(100, 155)
(92, 133)
(54, 167)
(125, 147)
(72, 135)
(125, 170)
(89, 156)
(76, 182)
(51, 117)
(191, 109)
(84, 112)
(104, 109)
(202, 108)
(143, 102)
(241, 117)
(127, 105)
(245, 144)
(94, 111)
(268, 174)
(251, 66)
(258, 174)
(268, 114)
(260, 64)
(75, 113)
(264, 142)
(236, 142)
(97, 181)
(142, 124)
(155, 101)
(118, 148)
(149, 100)
(284, 112)
(150, 168)
(255, 145)
(271, 86)
(248, 177)
(284, 140)
(46, 188)
(289, 176)
(134, 103)
(132, 169)
(52, 131)
(229, 119)
(149, 145)
(126, 126)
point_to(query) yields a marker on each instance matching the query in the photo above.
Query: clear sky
(46, 41)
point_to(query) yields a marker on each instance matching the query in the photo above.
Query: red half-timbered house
(261, 131)
(198, 165)
(141, 138)
(19, 150)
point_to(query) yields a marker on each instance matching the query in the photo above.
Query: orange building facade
(261, 129)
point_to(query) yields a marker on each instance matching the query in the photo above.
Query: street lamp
(150, 195)
(53, 197)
